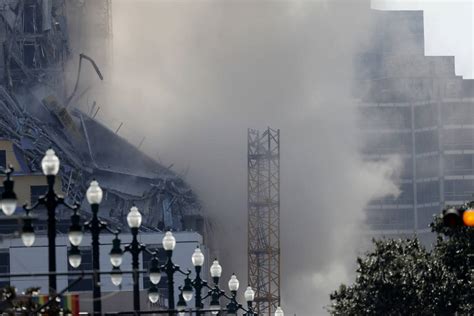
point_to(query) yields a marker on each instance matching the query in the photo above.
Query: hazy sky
(449, 26)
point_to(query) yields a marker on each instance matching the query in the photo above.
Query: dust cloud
(192, 76)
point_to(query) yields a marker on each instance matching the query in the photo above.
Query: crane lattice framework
(264, 218)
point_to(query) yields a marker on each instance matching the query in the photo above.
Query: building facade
(415, 108)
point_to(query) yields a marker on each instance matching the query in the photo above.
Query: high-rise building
(416, 108)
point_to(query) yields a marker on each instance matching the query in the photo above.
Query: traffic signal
(463, 216)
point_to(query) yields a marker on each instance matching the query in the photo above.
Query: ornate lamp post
(94, 196)
(233, 305)
(50, 166)
(134, 220)
(198, 284)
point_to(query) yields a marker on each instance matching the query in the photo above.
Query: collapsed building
(38, 111)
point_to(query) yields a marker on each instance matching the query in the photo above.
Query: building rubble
(34, 117)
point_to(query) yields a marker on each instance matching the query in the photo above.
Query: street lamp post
(198, 283)
(50, 166)
(94, 196)
(169, 243)
(233, 305)
(134, 220)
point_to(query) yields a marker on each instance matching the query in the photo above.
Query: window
(36, 191)
(3, 159)
(146, 258)
(4, 267)
(86, 264)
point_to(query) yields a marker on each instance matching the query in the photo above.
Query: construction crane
(264, 218)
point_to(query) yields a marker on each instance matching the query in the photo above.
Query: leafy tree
(401, 277)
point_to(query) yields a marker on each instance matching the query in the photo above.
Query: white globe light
(28, 238)
(216, 269)
(155, 277)
(116, 277)
(50, 163)
(94, 193)
(8, 206)
(169, 242)
(249, 294)
(75, 237)
(181, 313)
(153, 295)
(197, 258)
(134, 218)
(188, 295)
(279, 312)
(233, 283)
(75, 260)
(215, 312)
(116, 259)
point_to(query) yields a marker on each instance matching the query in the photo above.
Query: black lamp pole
(233, 305)
(198, 284)
(135, 247)
(95, 226)
(170, 269)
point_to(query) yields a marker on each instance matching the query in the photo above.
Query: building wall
(35, 260)
(414, 107)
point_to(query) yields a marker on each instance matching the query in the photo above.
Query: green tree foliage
(401, 277)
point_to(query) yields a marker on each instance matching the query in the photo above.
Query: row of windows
(390, 219)
(425, 116)
(458, 113)
(459, 190)
(425, 141)
(459, 164)
(458, 139)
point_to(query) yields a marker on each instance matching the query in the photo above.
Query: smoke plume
(192, 76)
